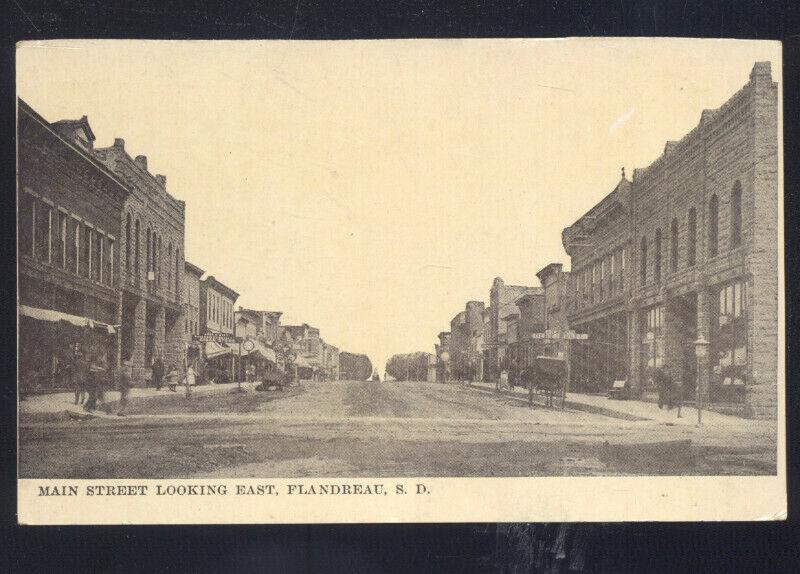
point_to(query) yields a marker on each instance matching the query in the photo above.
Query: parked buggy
(547, 376)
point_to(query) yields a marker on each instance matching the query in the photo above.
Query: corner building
(688, 250)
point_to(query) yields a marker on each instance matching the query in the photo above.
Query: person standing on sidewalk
(124, 386)
(80, 373)
(158, 373)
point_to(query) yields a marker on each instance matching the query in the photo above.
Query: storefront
(48, 341)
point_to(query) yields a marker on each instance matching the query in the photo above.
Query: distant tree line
(408, 367)
(354, 366)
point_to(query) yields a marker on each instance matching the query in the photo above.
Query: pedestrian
(677, 396)
(172, 378)
(124, 385)
(191, 376)
(158, 373)
(503, 379)
(79, 373)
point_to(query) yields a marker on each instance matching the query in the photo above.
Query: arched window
(177, 270)
(673, 236)
(149, 259)
(657, 257)
(691, 238)
(643, 270)
(158, 262)
(736, 215)
(137, 248)
(128, 244)
(169, 267)
(713, 226)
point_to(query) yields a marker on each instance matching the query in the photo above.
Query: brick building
(152, 261)
(706, 259)
(503, 304)
(687, 251)
(600, 289)
(68, 224)
(554, 282)
(217, 304)
(267, 323)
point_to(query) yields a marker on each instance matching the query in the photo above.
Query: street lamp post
(701, 352)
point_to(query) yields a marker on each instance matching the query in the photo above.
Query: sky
(371, 188)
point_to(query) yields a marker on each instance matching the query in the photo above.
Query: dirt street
(357, 429)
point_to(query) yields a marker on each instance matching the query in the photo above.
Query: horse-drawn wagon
(547, 376)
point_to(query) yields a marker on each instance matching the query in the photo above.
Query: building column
(139, 330)
(673, 357)
(705, 304)
(159, 335)
(634, 351)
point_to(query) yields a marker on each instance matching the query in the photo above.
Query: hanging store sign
(560, 335)
(214, 338)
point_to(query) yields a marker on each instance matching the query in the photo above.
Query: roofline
(544, 271)
(220, 286)
(193, 268)
(23, 105)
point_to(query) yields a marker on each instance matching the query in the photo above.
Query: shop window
(673, 235)
(25, 223)
(653, 339)
(736, 215)
(691, 238)
(713, 226)
(657, 257)
(730, 342)
(643, 270)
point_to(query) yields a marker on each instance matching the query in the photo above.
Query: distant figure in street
(158, 373)
(503, 379)
(677, 396)
(172, 379)
(124, 385)
(80, 374)
(96, 380)
(191, 377)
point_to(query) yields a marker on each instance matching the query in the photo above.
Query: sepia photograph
(326, 267)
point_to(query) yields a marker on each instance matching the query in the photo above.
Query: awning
(55, 316)
(214, 350)
(258, 350)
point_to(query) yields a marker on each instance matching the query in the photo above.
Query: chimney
(162, 180)
(119, 143)
(141, 161)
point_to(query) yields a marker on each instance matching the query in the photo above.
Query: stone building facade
(705, 230)
(68, 225)
(152, 260)
(599, 245)
(688, 250)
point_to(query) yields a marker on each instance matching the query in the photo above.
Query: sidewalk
(632, 408)
(60, 402)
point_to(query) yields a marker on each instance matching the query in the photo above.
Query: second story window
(657, 257)
(643, 262)
(673, 236)
(736, 215)
(713, 226)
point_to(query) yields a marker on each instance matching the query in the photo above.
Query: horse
(543, 378)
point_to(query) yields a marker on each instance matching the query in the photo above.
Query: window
(736, 215)
(128, 244)
(713, 226)
(157, 263)
(622, 270)
(110, 269)
(169, 267)
(657, 257)
(653, 339)
(62, 241)
(611, 281)
(673, 236)
(86, 243)
(643, 271)
(148, 258)
(691, 238)
(74, 251)
(177, 270)
(136, 249)
(96, 256)
(42, 236)
(26, 222)
(730, 340)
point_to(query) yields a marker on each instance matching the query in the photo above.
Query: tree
(408, 367)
